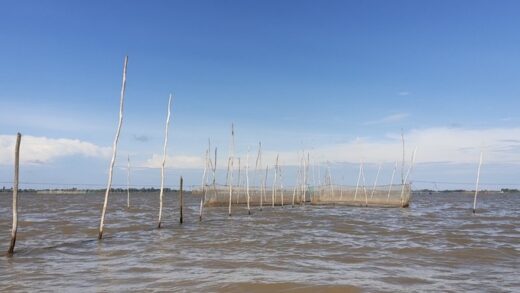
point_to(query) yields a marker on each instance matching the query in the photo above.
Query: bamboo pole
(305, 176)
(258, 165)
(281, 185)
(391, 181)
(181, 204)
(128, 184)
(476, 187)
(204, 183)
(114, 151)
(264, 185)
(273, 197)
(358, 180)
(161, 192)
(402, 166)
(330, 180)
(14, 228)
(231, 159)
(214, 171)
(406, 177)
(364, 184)
(296, 185)
(375, 182)
(247, 183)
(239, 181)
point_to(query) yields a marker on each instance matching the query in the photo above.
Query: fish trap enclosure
(219, 195)
(380, 196)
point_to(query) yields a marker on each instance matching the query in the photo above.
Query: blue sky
(337, 78)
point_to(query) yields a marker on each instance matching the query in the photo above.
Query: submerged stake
(181, 202)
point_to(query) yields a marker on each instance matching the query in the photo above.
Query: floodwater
(435, 245)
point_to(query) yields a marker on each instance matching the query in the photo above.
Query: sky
(340, 80)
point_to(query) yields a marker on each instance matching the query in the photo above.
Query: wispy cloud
(41, 150)
(403, 93)
(141, 138)
(388, 119)
(434, 145)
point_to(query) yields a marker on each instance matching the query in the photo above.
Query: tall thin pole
(406, 177)
(161, 192)
(258, 165)
(375, 182)
(391, 181)
(296, 185)
(264, 186)
(364, 184)
(114, 151)
(402, 166)
(128, 183)
(231, 159)
(281, 185)
(358, 180)
(476, 187)
(247, 183)
(239, 181)
(181, 205)
(274, 181)
(14, 229)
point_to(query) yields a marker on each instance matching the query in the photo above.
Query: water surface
(435, 245)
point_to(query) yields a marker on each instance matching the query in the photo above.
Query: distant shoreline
(145, 190)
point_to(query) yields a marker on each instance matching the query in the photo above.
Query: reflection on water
(436, 244)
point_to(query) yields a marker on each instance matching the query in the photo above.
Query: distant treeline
(76, 190)
(503, 190)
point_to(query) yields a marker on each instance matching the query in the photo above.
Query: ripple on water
(436, 245)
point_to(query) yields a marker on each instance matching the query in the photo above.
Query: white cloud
(403, 93)
(388, 119)
(434, 145)
(40, 149)
(181, 162)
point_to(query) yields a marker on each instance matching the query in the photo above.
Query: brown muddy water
(435, 245)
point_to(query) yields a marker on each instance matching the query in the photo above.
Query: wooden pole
(231, 159)
(281, 185)
(247, 183)
(207, 163)
(296, 185)
(14, 229)
(161, 192)
(128, 184)
(305, 176)
(258, 165)
(114, 151)
(239, 181)
(273, 197)
(406, 177)
(375, 182)
(181, 204)
(358, 180)
(476, 187)
(391, 181)
(330, 180)
(402, 162)
(215, 173)
(364, 184)
(264, 186)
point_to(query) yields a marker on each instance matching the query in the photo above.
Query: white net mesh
(383, 195)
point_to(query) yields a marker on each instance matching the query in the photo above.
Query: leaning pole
(114, 151)
(15, 194)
